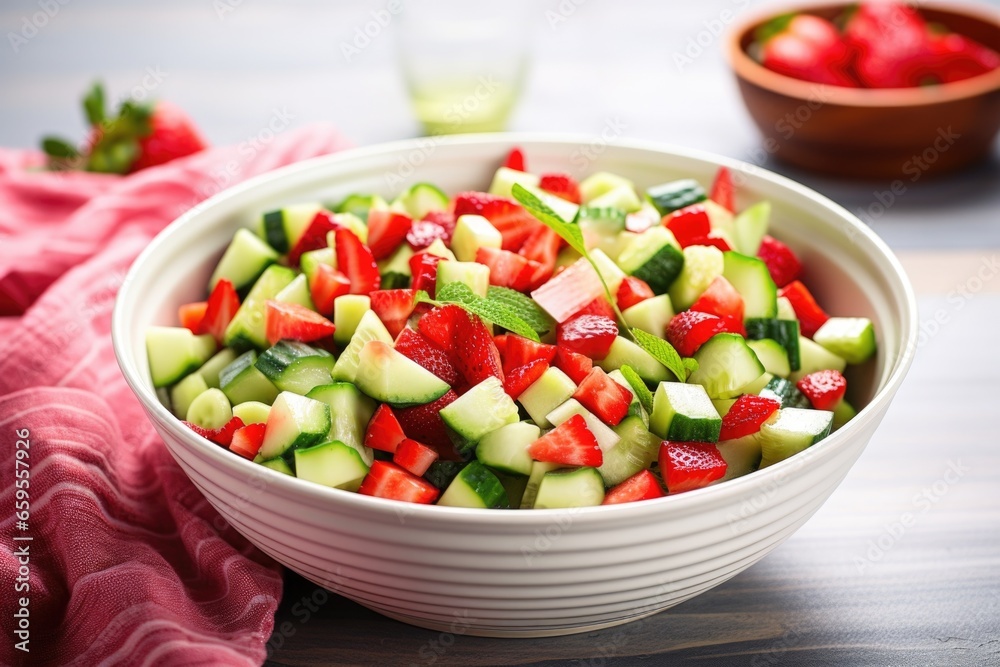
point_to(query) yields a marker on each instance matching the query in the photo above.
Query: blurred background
(638, 69)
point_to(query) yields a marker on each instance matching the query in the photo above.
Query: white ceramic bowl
(522, 573)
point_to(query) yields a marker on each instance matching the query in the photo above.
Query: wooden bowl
(900, 133)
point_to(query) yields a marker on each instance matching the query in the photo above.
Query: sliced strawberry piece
(501, 342)
(386, 231)
(413, 345)
(446, 220)
(223, 303)
(439, 325)
(782, 263)
(576, 366)
(314, 237)
(388, 480)
(811, 316)
(571, 444)
(247, 440)
(722, 299)
(423, 268)
(508, 269)
(424, 233)
(520, 351)
(604, 397)
(414, 457)
(511, 220)
(295, 322)
(715, 240)
(689, 225)
(563, 186)
(423, 423)
(327, 284)
(686, 466)
(191, 316)
(473, 352)
(747, 415)
(522, 377)
(355, 260)
(824, 389)
(632, 291)
(384, 432)
(723, 193)
(590, 335)
(515, 159)
(393, 307)
(541, 246)
(220, 436)
(691, 329)
(567, 292)
(641, 486)
(598, 306)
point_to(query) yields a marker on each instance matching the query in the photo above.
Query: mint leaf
(536, 207)
(690, 365)
(662, 351)
(421, 296)
(639, 387)
(93, 104)
(524, 307)
(493, 311)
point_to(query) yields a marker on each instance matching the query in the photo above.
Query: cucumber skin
(662, 269)
(684, 429)
(673, 196)
(785, 332)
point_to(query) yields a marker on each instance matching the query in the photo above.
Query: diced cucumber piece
(852, 338)
(252, 412)
(294, 421)
(422, 198)
(603, 229)
(353, 223)
(243, 261)
(538, 471)
(758, 385)
(506, 449)
(606, 438)
(772, 355)
(473, 274)
(814, 357)
(652, 315)
(475, 486)
(439, 249)
(750, 226)
(545, 394)
(347, 313)
(566, 210)
(783, 332)
(332, 464)
(210, 369)
(722, 405)
(843, 413)
(684, 412)
(720, 220)
(481, 410)
(655, 257)
(210, 409)
(296, 292)
(752, 280)
(310, 261)
(785, 392)
(675, 195)
(726, 364)
(636, 450)
(785, 309)
(248, 329)
(280, 465)
(622, 197)
(514, 486)
(184, 392)
(174, 352)
(389, 377)
(284, 227)
(294, 366)
(398, 262)
(369, 328)
(442, 472)
(360, 205)
(600, 182)
(505, 178)
(350, 412)
(702, 265)
(583, 487)
(791, 432)
(742, 455)
(624, 352)
(607, 269)
(473, 232)
(242, 382)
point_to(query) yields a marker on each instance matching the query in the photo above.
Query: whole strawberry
(140, 135)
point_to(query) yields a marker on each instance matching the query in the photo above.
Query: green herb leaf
(662, 351)
(639, 387)
(690, 365)
(59, 148)
(93, 104)
(524, 307)
(536, 207)
(421, 296)
(494, 311)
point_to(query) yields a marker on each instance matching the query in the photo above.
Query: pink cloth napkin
(121, 560)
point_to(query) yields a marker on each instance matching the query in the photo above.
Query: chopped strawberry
(575, 366)
(439, 325)
(500, 341)
(522, 377)
(632, 291)
(691, 329)
(393, 307)
(424, 233)
(511, 220)
(591, 335)
(782, 263)
(641, 486)
(223, 303)
(191, 315)
(690, 465)
(571, 444)
(314, 237)
(561, 185)
(247, 440)
(515, 159)
(423, 269)
(414, 457)
(444, 219)
(388, 480)
(811, 316)
(473, 352)
(508, 269)
(604, 397)
(295, 322)
(520, 351)
(172, 134)
(689, 225)
(722, 299)
(722, 192)
(220, 436)
(355, 259)
(414, 345)
(715, 240)
(747, 415)
(384, 432)
(424, 424)
(386, 231)
(327, 284)
(569, 291)
(598, 306)
(824, 389)
(542, 246)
